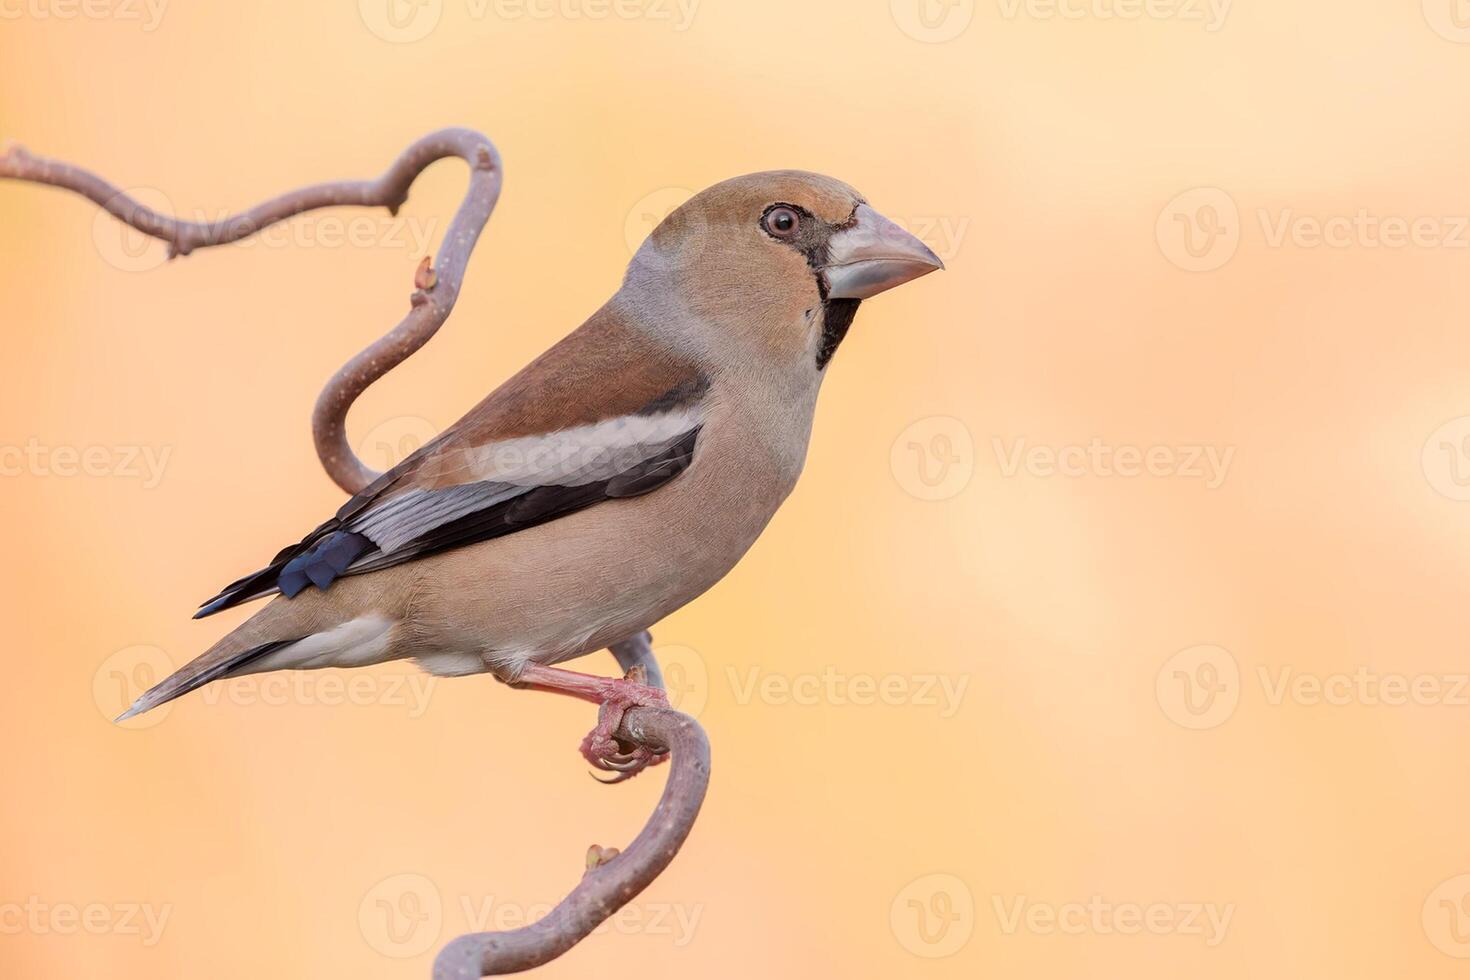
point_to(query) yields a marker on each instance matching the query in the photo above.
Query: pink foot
(602, 748)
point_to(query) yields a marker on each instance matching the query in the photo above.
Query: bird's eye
(781, 221)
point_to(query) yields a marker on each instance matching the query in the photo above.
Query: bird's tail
(280, 624)
(211, 666)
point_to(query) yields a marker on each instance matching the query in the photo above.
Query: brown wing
(603, 414)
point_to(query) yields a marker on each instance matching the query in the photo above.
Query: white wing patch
(582, 454)
(499, 471)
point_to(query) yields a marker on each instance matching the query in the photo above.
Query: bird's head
(770, 267)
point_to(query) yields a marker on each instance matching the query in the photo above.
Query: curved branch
(437, 287)
(609, 885)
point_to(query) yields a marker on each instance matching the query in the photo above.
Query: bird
(614, 479)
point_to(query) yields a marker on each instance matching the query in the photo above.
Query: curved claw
(621, 763)
(620, 777)
(625, 765)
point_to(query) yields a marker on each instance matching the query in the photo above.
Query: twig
(612, 879)
(436, 287)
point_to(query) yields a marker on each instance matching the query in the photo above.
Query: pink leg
(616, 696)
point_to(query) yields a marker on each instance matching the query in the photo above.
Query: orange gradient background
(1121, 744)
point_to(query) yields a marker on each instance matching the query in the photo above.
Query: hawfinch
(615, 478)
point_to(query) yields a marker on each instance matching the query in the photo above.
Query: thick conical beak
(873, 254)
